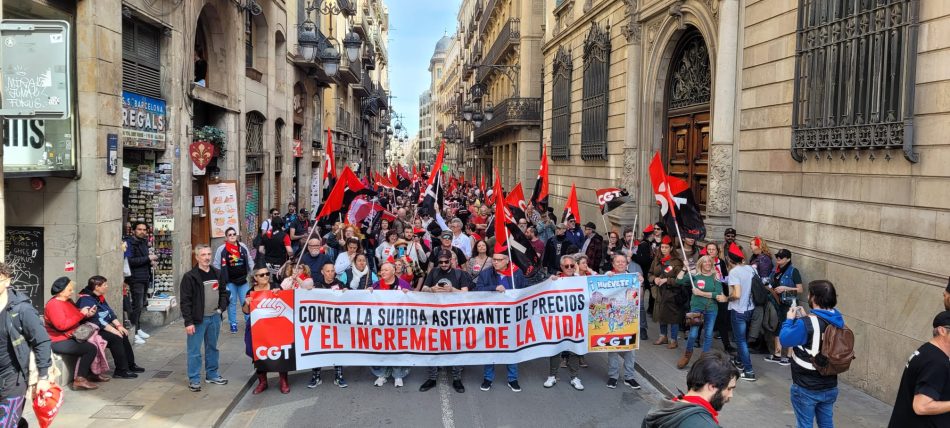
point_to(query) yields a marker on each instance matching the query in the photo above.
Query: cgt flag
(611, 198)
(672, 195)
(539, 197)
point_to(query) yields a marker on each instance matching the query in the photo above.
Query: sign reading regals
(25, 257)
(143, 121)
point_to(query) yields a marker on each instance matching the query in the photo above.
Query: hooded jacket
(26, 332)
(678, 414)
(798, 332)
(141, 266)
(489, 279)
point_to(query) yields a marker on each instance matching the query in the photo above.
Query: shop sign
(143, 121)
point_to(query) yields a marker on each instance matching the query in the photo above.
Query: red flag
(438, 163)
(384, 182)
(329, 170)
(415, 174)
(474, 180)
(501, 237)
(571, 206)
(403, 173)
(348, 182)
(516, 197)
(539, 197)
(665, 187)
(393, 177)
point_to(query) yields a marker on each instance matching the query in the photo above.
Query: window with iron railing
(596, 77)
(561, 105)
(254, 142)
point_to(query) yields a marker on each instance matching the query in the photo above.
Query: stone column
(627, 214)
(721, 159)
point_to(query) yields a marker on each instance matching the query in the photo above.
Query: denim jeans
(206, 332)
(673, 330)
(237, 293)
(489, 374)
(709, 322)
(613, 364)
(810, 405)
(395, 372)
(740, 325)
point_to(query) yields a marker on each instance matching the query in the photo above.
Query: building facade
(154, 77)
(424, 153)
(830, 161)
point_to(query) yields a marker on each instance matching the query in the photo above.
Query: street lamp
(307, 40)
(352, 44)
(489, 111)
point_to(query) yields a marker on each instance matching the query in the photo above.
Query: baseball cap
(783, 254)
(445, 255)
(730, 231)
(942, 319)
(446, 234)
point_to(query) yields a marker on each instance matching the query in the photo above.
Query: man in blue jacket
(503, 275)
(813, 395)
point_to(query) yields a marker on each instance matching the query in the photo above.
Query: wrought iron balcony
(508, 38)
(364, 86)
(479, 8)
(486, 15)
(350, 71)
(510, 113)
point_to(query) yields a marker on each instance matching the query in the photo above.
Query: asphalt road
(362, 404)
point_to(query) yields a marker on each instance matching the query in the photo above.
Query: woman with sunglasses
(296, 276)
(261, 282)
(233, 260)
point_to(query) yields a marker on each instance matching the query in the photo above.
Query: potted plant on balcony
(207, 145)
(213, 135)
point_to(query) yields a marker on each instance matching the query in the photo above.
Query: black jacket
(139, 263)
(595, 251)
(556, 247)
(193, 296)
(26, 332)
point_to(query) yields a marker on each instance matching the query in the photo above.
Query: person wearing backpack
(822, 347)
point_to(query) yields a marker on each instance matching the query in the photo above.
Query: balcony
(486, 15)
(361, 25)
(513, 112)
(314, 68)
(479, 8)
(508, 38)
(364, 87)
(350, 71)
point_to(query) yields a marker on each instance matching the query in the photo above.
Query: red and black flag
(571, 208)
(515, 201)
(539, 197)
(329, 167)
(433, 193)
(611, 198)
(672, 195)
(346, 189)
(507, 233)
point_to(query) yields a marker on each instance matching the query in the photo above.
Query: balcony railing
(364, 86)
(479, 8)
(486, 15)
(508, 37)
(510, 113)
(349, 70)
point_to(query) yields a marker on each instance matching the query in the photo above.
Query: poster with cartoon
(223, 208)
(614, 313)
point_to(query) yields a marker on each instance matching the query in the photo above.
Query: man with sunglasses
(556, 248)
(502, 275)
(234, 261)
(569, 359)
(445, 279)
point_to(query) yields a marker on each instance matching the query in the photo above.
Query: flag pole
(635, 231)
(682, 250)
(508, 244)
(606, 228)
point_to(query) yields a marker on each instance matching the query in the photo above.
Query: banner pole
(635, 232)
(682, 250)
(606, 228)
(511, 260)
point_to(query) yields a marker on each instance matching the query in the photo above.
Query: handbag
(84, 332)
(694, 319)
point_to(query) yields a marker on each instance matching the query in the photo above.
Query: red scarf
(700, 401)
(384, 286)
(508, 271)
(667, 258)
(233, 250)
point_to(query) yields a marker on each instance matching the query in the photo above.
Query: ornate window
(594, 113)
(561, 105)
(854, 76)
(690, 81)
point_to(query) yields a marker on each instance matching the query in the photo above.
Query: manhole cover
(117, 412)
(162, 374)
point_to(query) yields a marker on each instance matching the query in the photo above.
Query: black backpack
(760, 294)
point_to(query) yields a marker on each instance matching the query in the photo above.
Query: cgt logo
(614, 340)
(272, 352)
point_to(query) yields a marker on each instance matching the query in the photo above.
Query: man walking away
(711, 382)
(923, 398)
(203, 302)
(813, 394)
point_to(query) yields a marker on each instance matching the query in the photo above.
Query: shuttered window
(561, 105)
(141, 58)
(594, 115)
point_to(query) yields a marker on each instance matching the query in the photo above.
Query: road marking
(447, 416)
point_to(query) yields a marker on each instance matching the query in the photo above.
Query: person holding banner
(706, 292)
(666, 311)
(502, 275)
(619, 265)
(389, 281)
(327, 280)
(296, 276)
(260, 282)
(445, 279)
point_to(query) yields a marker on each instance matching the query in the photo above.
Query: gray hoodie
(678, 414)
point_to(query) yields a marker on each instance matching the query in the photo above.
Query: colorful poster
(223, 208)
(614, 313)
(367, 328)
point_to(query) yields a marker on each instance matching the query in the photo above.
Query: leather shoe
(80, 383)
(123, 374)
(98, 377)
(457, 384)
(284, 385)
(427, 385)
(136, 369)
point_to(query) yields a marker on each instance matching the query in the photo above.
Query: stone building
(828, 159)
(425, 154)
(151, 75)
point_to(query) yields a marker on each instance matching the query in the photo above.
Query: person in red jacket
(62, 319)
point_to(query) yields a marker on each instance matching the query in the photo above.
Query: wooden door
(687, 151)
(200, 224)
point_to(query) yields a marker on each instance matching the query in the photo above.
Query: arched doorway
(688, 125)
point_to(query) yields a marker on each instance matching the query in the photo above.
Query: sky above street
(414, 28)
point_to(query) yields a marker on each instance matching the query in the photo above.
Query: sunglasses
(260, 275)
(232, 234)
(568, 266)
(444, 262)
(498, 260)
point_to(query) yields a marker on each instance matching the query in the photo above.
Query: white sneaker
(380, 381)
(398, 382)
(576, 383)
(141, 333)
(550, 382)
(139, 340)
